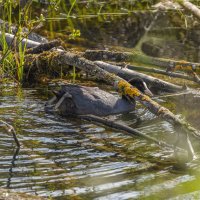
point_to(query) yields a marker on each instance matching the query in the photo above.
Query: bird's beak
(147, 91)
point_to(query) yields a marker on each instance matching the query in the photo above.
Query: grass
(12, 61)
(13, 58)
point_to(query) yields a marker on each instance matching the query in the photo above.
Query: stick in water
(10, 128)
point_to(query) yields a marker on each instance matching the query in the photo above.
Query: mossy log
(50, 60)
(135, 56)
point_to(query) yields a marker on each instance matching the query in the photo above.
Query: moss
(127, 89)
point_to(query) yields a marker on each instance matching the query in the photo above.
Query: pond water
(73, 159)
(66, 158)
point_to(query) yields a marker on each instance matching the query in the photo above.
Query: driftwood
(127, 74)
(63, 59)
(135, 56)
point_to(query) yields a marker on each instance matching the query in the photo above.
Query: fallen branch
(11, 129)
(131, 131)
(11, 173)
(154, 83)
(174, 95)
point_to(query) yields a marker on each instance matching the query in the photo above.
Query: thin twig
(11, 129)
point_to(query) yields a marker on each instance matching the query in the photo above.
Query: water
(72, 159)
(68, 158)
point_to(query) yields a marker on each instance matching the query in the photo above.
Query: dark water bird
(82, 100)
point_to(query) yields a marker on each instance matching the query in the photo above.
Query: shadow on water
(68, 158)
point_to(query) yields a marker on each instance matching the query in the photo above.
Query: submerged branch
(122, 127)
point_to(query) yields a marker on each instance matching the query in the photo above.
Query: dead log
(154, 83)
(64, 59)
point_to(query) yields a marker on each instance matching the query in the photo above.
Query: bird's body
(82, 100)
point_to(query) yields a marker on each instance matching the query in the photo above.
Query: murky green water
(67, 158)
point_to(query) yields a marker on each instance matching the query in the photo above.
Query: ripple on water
(66, 157)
